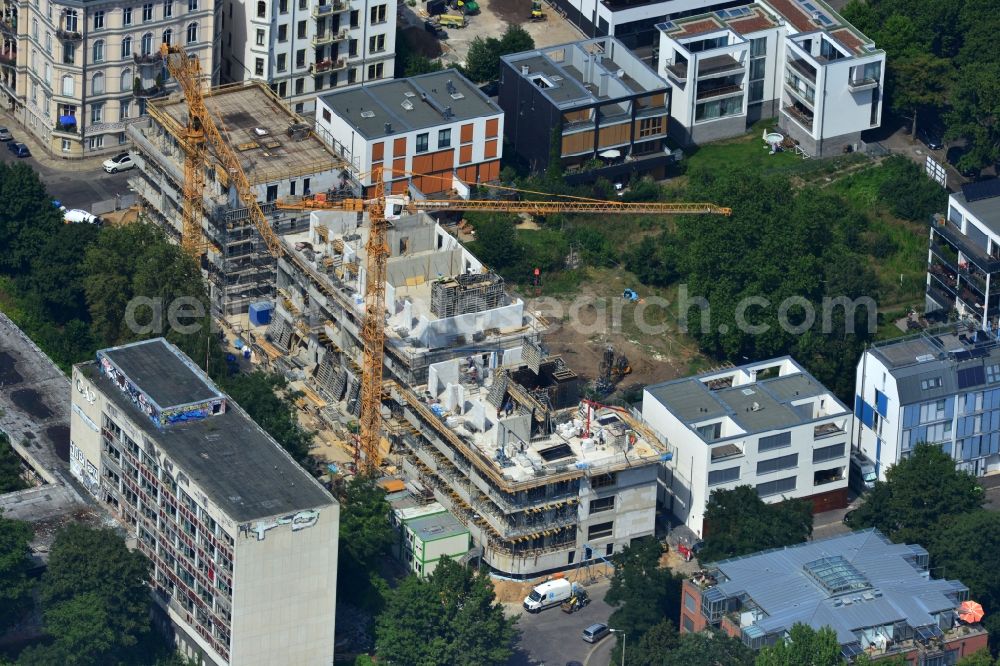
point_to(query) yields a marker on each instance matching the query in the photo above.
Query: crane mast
(373, 331)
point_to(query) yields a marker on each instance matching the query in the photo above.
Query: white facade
(730, 68)
(97, 63)
(304, 47)
(785, 435)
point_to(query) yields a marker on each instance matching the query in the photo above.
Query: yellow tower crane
(202, 130)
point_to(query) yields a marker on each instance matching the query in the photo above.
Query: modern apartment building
(433, 133)
(794, 59)
(633, 22)
(963, 261)
(941, 386)
(279, 154)
(77, 74)
(541, 480)
(426, 534)
(242, 540)
(879, 598)
(301, 48)
(769, 425)
(594, 102)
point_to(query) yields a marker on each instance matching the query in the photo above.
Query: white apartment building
(941, 386)
(243, 541)
(794, 59)
(769, 425)
(303, 47)
(85, 69)
(434, 132)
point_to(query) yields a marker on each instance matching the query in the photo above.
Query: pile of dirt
(422, 42)
(515, 12)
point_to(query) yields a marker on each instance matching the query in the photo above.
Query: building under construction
(280, 156)
(543, 480)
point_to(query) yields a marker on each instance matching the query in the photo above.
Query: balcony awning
(67, 120)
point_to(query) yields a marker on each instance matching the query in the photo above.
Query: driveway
(552, 638)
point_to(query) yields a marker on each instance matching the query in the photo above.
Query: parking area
(492, 19)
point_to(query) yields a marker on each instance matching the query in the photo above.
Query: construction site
(406, 348)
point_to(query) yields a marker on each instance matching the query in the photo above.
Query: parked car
(435, 29)
(79, 216)
(120, 162)
(11, 145)
(21, 150)
(931, 138)
(5, 134)
(595, 632)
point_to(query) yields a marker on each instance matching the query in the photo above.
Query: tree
(95, 596)
(918, 492)
(365, 537)
(739, 522)
(642, 592)
(422, 65)
(707, 648)
(268, 401)
(654, 645)
(497, 244)
(15, 586)
(515, 39)
(975, 114)
(27, 219)
(919, 81)
(482, 64)
(804, 647)
(978, 658)
(451, 618)
(10, 467)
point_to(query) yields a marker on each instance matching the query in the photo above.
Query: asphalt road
(74, 188)
(552, 638)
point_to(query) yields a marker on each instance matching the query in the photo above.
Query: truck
(451, 21)
(861, 475)
(577, 600)
(548, 594)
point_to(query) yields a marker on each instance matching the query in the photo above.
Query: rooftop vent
(524, 70)
(388, 128)
(448, 115)
(457, 95)
(409, 93)
(407, 104)
(747, 391)
(451, 87)
(367, 114)
(755, 407)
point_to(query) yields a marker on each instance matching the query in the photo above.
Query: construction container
(260, 313)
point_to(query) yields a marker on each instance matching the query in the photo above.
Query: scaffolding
(466, 293)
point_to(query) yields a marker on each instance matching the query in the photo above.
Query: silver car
(5, 134)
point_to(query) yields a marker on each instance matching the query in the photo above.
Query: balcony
(69, 35)
(8, 26)
(801, 116)
(718, 65)
(329, 9)
(8, 57)
(327, 65)
(146, 93)
(66, 128)
(678, 72)
(329, 38)
(946, 254)
(940, 296)
(972, 253)
(827, 430)
(147, 58)
(802, 68)
(972, 279)
(721, 91)
(861, 85)
(802, 97)
(947, 279)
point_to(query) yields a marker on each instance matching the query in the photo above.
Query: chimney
(388, 128)
(524, 70)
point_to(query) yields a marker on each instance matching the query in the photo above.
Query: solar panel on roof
(850, 650)
(971, 377)
(721, 13)
(809, 6)
(824, 19)
(984, 189)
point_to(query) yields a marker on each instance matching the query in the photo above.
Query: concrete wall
(284, 594)
(85, 424)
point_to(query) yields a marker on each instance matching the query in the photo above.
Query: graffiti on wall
(84, 470)
(298, 521)
(131, 391)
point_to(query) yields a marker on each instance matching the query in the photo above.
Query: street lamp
(619, 631)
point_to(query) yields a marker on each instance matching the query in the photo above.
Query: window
(603, 504)
(282, 33)
(689, 603)
(650, 126)
(378, 14)
(146, 45)
(127, 16)
(355, 19)
(96, 112)
(352, 49)
(282, 89)
(731, 106)
(98, 51)
(97, 87)
(352, 75)
(95, 143)
(776, 464)
(828, 452)
(122, 139)
(301, 29)
(69, 54)
(48, 43)
(710, 432)
(168, 35)
(326, 114)
(601, 530)
(260, 37)
(283, 6)
(303, 4)
(282, 62)
(933, 382)
(192, 5)
(300, 58)
(300, 87)
(717, 476)
(375, 71)
(376, 43)
(771, 442)
(603, 481)
(272, 193)
(67, 145)
(758, 47)
(147, 12)
(258, 67)
(776, 487)
(444, 138)
(168, 9)
(98, 19)
(67, 85)
(71, 20)
(756, 92)
(261, 9)
(34, 28)
(125, 109)
(688, 624)
(757, 69)
(192, 33)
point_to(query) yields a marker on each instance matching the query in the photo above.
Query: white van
(548, 594)
(862, 475)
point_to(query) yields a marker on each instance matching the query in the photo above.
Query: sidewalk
(42, 155)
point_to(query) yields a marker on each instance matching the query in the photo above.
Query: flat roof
(985, 209)
(849, 582)
(436, 526)
(387, 108)
(259, 127)
(165, 374)
(755, 406)
(238, 465)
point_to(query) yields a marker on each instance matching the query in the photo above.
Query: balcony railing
(862, 84)
(947, 279)
(973, 253)
(329, 38)
(719, 65)
(940, 296)
(147, 58)
(330, 8)
(328, 66)
(8, 26)
(947, 255)
(678, 71)
(803, 69)
(973, 279)
(145, 93)
(69, 35)
(723, 91)
(804, 119)
(9, 58)
(803, 97)
(827, 430)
